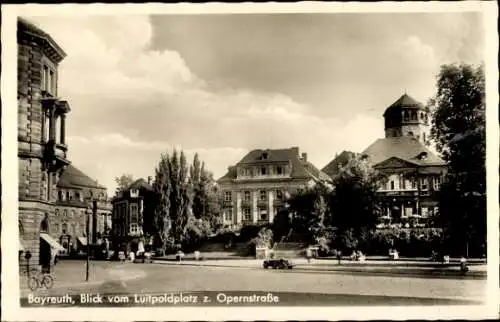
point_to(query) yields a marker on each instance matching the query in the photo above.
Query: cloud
(130, 104)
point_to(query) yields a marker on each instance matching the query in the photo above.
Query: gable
(395, 163)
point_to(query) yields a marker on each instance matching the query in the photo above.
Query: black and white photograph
(243, 158)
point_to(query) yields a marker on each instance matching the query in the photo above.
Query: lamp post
(89, 211)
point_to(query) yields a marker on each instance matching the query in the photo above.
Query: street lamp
(88, 212)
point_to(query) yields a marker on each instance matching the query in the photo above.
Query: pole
(88, 246)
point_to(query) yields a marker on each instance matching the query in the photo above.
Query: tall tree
(355, 205)
(163, 188)
(181, 196)
(458, 128)
(123, 181)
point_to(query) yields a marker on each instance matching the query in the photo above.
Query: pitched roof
(339, 161)
(405, 101)
(74, 178)
(140, 183)
(404, 147)
(300, 168)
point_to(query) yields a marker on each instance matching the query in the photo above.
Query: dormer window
(422, 156)
(134, 193)
(264, 156)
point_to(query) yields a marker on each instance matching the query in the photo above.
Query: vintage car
(277, 263)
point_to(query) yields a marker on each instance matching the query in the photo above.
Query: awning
(51, 241)
(82, 240)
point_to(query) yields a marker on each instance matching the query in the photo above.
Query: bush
(248, 232)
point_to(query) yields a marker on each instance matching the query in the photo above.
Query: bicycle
(37, 279)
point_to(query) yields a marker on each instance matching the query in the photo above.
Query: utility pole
(88, 244)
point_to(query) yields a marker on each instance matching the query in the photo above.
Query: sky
(222, 85)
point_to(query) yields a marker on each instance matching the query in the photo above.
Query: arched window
(60, 195)
(44, 225)
(413, 115)
(406, 116)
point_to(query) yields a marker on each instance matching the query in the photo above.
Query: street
(293, 287)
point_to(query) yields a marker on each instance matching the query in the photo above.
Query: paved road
(294, 287)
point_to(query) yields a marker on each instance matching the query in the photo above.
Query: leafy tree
(181, 196)
(458, 128)
(205, 195)
(163, 188)
(123, 182)
(355, 204)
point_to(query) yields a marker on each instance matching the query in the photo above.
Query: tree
(458, 129)
(205, 195)
(181, 196)
(163, 188)
(123, 182)
(355, 205)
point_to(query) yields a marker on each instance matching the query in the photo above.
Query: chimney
(304, 157)
(295, 150)
(149, 179)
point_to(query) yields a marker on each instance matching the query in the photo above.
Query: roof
(140, 183)
(301, 168)
(25, 27)
(405, 101)
(74, 178)
(404, 147)
(339, 161)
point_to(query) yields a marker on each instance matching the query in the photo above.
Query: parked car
(277, 263)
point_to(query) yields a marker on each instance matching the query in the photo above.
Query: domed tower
(407, 117)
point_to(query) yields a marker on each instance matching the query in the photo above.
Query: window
(436, 183)
(228, 214)
(413, 115)
(414, 184)
(246, 214)
(392, 185)
(425, 211)
(246, 196)
(406, 117)
(60, 195)
(65, 213)
(64, 228)
(134, 228)
(279, 194)
(423, 184)
(262, 214)
(57, 212)
(263, 171)
(263, 195)
(77, 195)
(279, 170)
(133, 213)
(68, 196)
(227, 196)
(56, 228)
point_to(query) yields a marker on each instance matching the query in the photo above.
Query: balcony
(55, 155)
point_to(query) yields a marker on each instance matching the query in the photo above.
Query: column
(270, 206)
(238, 207)
(254, 206)
(63, 128)
(52, 127)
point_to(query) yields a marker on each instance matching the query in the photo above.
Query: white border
(10, 286)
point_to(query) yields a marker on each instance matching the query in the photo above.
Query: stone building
(73, 209)
(133, 210)
(414, 173)
(41, 135)
(254, 189)
(340, 160)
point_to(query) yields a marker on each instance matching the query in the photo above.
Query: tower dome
(407, 117)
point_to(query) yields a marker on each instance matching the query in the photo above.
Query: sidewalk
(320, 265)
(71, 274)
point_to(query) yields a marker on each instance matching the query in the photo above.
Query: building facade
(254, 190)
(42, 144)
(414, 173)
(133, 211)
(74, 209)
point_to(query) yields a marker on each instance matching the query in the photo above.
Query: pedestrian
(308, 254)
(339, 256)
